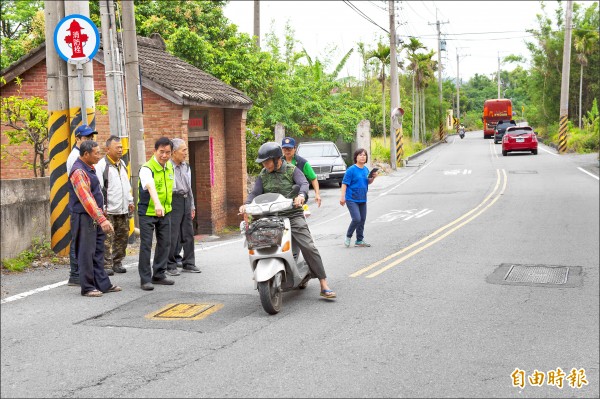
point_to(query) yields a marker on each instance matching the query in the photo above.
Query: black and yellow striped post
(127, 159)
(441, 134)
(399, 146)
(562, 134)
(59, 149)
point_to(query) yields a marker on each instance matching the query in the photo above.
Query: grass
(40, 249)
(381, 153)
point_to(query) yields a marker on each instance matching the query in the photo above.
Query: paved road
(428, 311)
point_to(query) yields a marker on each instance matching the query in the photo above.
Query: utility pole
(257, 22)
(564, 85)
(458, 82)
(134, 96)
(113, 72)
(441, 111)
(59, 132)
(498, 75)
(396, 150)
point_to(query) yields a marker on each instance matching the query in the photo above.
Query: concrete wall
(25, 213)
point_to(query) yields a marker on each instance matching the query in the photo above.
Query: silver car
(325, 159)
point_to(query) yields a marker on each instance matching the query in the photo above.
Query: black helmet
(269, 150)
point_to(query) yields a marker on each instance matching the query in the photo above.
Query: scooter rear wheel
(270, 295)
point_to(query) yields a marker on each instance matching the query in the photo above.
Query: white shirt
(119, 187)
(146, 178)
(72, 158)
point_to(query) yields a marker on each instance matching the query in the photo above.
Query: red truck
(493, 111)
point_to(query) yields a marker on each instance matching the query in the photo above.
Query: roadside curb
(417, 154)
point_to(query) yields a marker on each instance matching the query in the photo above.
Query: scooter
(275, 266)
(461, 132)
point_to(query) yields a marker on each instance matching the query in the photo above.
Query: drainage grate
(185, 311)
(537, 274)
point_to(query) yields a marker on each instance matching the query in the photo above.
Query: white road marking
(549, 152)
(586, 172)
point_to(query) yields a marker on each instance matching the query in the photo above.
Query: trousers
(182, 232)
(301, 238)
(115, 245)
(89, 247)
(150, 225)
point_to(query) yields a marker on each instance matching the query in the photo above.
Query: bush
(39, 248)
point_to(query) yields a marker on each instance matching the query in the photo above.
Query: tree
(413, 46)
(585, 41)
(382, 54)
(21, 29)
(29, 120)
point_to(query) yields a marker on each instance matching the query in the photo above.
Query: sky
(479, 31)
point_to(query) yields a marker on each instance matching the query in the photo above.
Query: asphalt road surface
(482, 278)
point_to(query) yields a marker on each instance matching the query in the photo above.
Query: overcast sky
(477, 30)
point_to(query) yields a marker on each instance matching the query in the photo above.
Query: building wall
(216, 204)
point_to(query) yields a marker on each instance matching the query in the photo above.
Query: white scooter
(269, 240)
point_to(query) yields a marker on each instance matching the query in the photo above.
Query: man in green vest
(157, 181)
(278, 176)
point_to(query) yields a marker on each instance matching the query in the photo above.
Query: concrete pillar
(363, 138)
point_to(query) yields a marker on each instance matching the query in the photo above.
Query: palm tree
(423, 68)
(412, 46)
(382, 54)
(584, 42)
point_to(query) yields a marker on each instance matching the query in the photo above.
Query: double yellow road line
(437, 235)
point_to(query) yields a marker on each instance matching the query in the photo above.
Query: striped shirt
(81, 186)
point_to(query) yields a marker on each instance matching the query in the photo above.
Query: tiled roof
(183, 79)
(171, 77)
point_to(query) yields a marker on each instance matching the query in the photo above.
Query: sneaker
(190, 269)
(73, 282)
(173, 272)
(109, 272)
(119, 269)
(347, 242)
(361, 243)
(162, 281)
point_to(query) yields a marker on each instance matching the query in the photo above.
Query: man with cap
(82, 133)
(288, 146)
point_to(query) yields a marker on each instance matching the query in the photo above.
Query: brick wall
(216, 205)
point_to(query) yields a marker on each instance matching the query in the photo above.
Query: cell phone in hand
(372, 172)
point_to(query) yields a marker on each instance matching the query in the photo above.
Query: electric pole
(458, 82)
(441, 111)
(257, 22)
(396, 150)
(134, 96)
(59, 132)
(498, 75)
(564, 85)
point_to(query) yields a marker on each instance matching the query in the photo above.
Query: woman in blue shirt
(354, 194)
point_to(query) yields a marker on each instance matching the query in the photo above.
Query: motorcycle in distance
(268, 236)
(461, 132)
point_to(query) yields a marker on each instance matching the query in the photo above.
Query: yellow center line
(438, 231)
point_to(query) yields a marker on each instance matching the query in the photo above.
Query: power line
(362, 14)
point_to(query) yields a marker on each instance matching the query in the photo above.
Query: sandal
(114, 288)
(328, 294)
(93, 293)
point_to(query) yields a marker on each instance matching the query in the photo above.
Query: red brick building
(179, 100)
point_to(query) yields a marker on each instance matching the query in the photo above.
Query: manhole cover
(537, 274)
(185, 311)
(548, 276)
(523, 172)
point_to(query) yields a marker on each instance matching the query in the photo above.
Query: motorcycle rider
(278, 176)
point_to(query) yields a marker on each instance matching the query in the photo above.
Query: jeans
(358, 213)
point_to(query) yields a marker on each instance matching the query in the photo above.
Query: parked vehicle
(519, 138)
(495, 110)
(325, 159)
(268, 236)
(500, 129)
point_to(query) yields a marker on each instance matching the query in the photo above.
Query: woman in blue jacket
(354, 194)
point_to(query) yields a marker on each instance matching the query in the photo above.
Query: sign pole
(82, 90)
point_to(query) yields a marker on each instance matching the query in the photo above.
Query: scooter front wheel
(271, 295)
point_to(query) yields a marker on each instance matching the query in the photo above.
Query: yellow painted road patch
(185, 311)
